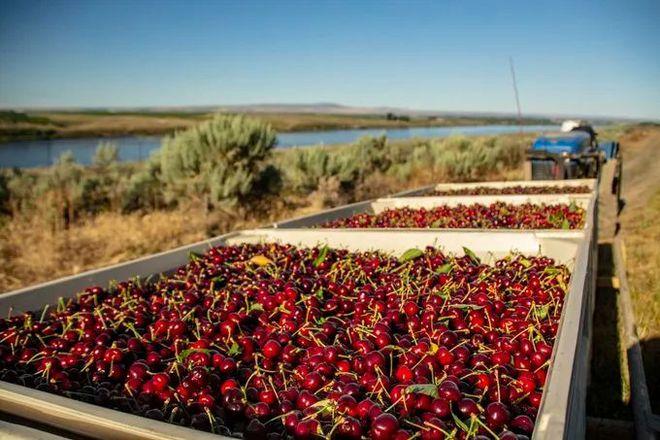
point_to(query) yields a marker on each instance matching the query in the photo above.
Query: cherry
(313, 381)
(441, 407)
(364, 408)
(138, 370)
(306, 429)
(508, 435)
(384, 427)
(444, 356)
(497, 414)
(434, 429)
(410, 308)
(402, 434)
(449, 391)
(404, 374)
(255, 430)
(498, 215)
(350, 428)
(523, 424)
(468, 407)
(160, 381)
(271, 349)
(517, 189)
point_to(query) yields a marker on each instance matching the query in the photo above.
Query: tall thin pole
(515, 91)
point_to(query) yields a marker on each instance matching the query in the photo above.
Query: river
(27, 154)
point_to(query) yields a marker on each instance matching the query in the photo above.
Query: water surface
(25, 154)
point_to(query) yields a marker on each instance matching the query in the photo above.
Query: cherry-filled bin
(511, 187)
(562, 405)
(493, 213)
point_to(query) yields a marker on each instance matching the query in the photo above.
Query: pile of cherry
(511, 190)
(274, 341)
(499, 215)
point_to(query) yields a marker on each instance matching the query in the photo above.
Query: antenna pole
(515, 91)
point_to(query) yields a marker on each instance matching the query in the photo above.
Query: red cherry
(410, 308)
(384, 427)
(522, 423)
(271, 349)
(441, 407)
(160, 381)
(497, 415)
(444, 356)
(404, 374)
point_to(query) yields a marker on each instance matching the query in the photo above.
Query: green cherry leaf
(428, 388)
(472, 256)
(445, 268)
(410, 255)
(321, 257)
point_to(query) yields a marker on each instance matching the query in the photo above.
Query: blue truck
(572, 153)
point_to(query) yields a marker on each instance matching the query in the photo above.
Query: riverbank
(41, 153)
(15, 126)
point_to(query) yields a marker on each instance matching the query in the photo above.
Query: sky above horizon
(579, 57)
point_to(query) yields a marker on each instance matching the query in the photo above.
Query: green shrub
(106, 155)
(464, 159)
(305, 168)
(370, 155)
(143, 191)
(62, 190)
(221, 159)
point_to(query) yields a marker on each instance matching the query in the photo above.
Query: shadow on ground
(651, 353)
(606, 396)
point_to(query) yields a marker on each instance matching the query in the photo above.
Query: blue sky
(580, 57)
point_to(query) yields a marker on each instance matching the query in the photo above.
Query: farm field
(47, 125)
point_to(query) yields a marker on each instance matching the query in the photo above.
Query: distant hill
(330, 108)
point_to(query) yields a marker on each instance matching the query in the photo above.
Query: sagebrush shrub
(221, 158)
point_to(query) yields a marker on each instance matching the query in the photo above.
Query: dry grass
(640, 230)
(642, 238)
(32, 253)
(640, 226)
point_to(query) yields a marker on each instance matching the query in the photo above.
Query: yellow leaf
(260, 260)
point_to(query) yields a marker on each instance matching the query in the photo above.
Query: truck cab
(572, 153)
(564, 156)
